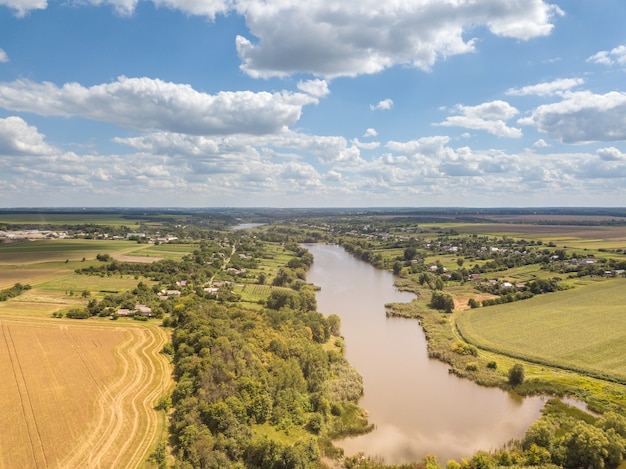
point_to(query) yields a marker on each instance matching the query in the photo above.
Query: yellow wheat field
(79, 394)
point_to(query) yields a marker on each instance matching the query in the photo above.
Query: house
(143, 310)
(125, 312)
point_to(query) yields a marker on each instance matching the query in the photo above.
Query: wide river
(416, 405)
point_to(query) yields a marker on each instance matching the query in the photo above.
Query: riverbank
(488, 368)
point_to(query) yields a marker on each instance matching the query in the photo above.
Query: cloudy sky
(291, 103)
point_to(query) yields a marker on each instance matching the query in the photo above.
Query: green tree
(334, 322)
(540, 433)
(586, 447)
(516, 374)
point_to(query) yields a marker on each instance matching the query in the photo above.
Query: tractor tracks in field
(30, 419)
(126, 423)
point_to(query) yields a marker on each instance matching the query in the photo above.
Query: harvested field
(571, 235)
(79, 394)
(142, 259)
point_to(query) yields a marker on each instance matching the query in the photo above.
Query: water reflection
(416, 405)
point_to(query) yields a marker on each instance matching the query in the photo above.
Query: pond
(416, 405)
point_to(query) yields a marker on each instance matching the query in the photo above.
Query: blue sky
(284, 103)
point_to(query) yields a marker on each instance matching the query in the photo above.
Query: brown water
(416, 405)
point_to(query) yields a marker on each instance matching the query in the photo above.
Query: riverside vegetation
(261, 381)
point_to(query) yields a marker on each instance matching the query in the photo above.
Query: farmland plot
(79, 394)
(583, 329)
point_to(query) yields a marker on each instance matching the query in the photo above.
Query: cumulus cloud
(616, 55)
(152, 104)
(384, 105)
(3, 56)
(19, 138)
(332, 39)
(22, 7)
(352, 38)
(370, 133)
(582, 117)
(317, 88)
(611, 154)
(541, 143)
(489, 117)
(365, 145)
(557, 87)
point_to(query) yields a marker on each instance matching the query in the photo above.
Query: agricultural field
(572, 236)
(60, 250)
(75, 393)
(80, 394)
(109, 219)
(581, 329)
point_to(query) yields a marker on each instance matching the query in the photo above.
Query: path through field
(80, 393)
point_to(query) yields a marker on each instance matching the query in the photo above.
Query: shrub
(472, 366)
(78, 313)
(516, 375)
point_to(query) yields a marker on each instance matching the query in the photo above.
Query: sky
(317, 103)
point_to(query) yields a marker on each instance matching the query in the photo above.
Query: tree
(540, 433)
(516, 374)
(585, 447)
(410, 253)
(442, 301)
(334, 322)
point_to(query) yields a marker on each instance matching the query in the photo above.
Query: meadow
(581, 329)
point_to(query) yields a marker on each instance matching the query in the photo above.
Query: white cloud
(384, 105)
(365, 145)
(317, 88)
(208, 8)
(582, 117)
(489, 117)
(23, 7)
(352, 38)
(611, 154)
(547, 88)
(334, 39)
(149, 104)
(428, 147)
(370, 133)
(541, 143)
(3, 56)
(616, 55)
(19, 138)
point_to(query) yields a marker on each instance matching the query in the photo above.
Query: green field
(583, 329)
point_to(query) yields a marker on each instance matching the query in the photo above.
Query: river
(416, 405)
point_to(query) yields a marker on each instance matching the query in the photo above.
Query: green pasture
(583, 329)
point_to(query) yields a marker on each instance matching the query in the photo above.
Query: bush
(516, 375)
(78, 313)
(463, 348)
